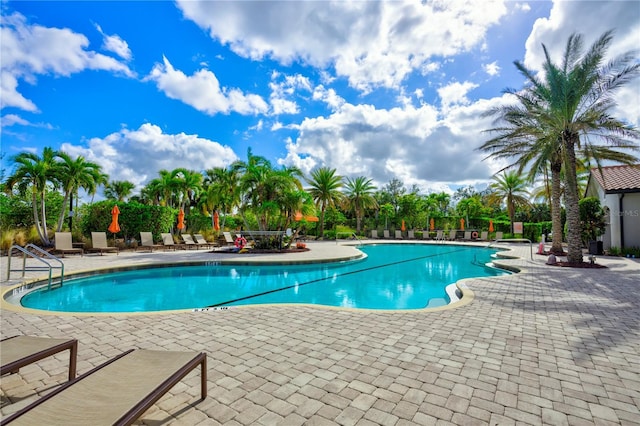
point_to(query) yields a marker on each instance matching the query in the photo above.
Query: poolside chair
(189, 242)
(425, 234)
(374, 233)
(484, 236)
(99, 242)
(499, 235)
(64, 244)
(452, 235)
(202, 241)
(146, 242)
(385, 234)
(117, 392)
(168, 243)
(467, 235)
(19, 351)
(440, 235)
(411, 234)
(228, 239)
(398, 234)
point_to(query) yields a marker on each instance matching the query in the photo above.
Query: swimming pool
(392, 276)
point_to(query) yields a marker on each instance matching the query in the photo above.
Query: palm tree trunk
(574, 228)
(43, 218)
(62, 210)
(556, 212)
(36, 217)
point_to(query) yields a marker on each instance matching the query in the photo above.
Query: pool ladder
(38, 251)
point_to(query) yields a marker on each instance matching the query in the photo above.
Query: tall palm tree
(577, 97)
(221, 192)
(34, 173)
(75, 174)
(325, 190)
(187, 184)
(119, 190)
(511, 188)
(359, 196)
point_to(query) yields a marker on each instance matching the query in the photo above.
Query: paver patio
(549, 345)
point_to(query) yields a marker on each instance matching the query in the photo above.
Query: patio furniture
(374, 233)
(168, 243)
(202, 241)
(411, 235)
(99, 242)
(146, 242)
(398, 234)
(19, 351)
(117, 392)
(64, 244)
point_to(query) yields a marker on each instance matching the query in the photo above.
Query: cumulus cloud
(284, 88)
(138, 155)
(492, 69)
(115, 44)
(455, 94)
(202, 91)
(9, 120)
(29, 50)
(372, 44)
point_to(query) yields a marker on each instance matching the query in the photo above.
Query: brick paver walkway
(549, 345)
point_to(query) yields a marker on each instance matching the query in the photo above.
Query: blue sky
(378, 89)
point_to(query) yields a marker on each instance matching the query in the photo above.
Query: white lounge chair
(385, 234)
(467, 235)
(374, 233)
(452, 235)
(64, 244)
(484, 236)
(499, 235)
(440, 235)
(398, 235)
(411, 234)
(202, 241)
(99, 243)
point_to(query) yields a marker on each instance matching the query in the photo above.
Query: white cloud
(455, 94)
(372, 44)
(31, 50)
(202, 91)
(283, 89)
(492, 69)
(9, 120)
(138, 155)
(115, 44)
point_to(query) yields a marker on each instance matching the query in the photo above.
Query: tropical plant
(119, 190)
(511, 188)
(593, 219)
(576, 98)
(222, 192)
(359, 197)
(325, 190)
(33, 173)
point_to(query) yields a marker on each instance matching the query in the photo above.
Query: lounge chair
(467, 235)
(19, 351)
(64, 244)
(411, 235)
(425, 234)
(99, 242)
(484, 236)
(398, 235)
(374, 233)
(499, 235)
(440, 235)
(202, 241)
(452, 235)
(228, 239)
(385, 234)
(117, 392)
(189, 242)
(146, 242)
(167, 242)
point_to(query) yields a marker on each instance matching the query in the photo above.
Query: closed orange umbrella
(216, 221)
(490, 225)
(181, 219)
(402, 227)
(114, 228)
(462, 224)
(432, 224)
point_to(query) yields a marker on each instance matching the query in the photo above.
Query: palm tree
(221, 192)
(34, 173)
(359, 197)
(511, 188)
(119, 190)
(72, 176)
(576, 98)
(325, 190)
(186, 186)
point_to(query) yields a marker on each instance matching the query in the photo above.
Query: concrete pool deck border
(548, 345)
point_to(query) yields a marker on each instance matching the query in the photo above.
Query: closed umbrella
(432, 224)
(490, 225)
(216, 221)
(181, 220)
(402, 228)
(114, 228)
(462, 224)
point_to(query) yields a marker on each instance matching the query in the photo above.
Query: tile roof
(618, 178)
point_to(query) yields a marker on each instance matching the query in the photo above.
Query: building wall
(630, 218)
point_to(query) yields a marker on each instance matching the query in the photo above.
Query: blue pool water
(393, 276)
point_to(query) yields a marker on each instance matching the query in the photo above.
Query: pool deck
(549, 345)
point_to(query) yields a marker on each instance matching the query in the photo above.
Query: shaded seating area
(64, 244)
(99, 244)
(115, 393)
(146, 242)
(19, 351)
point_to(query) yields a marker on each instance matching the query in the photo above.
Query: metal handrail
(514, 240)
(25, 252)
